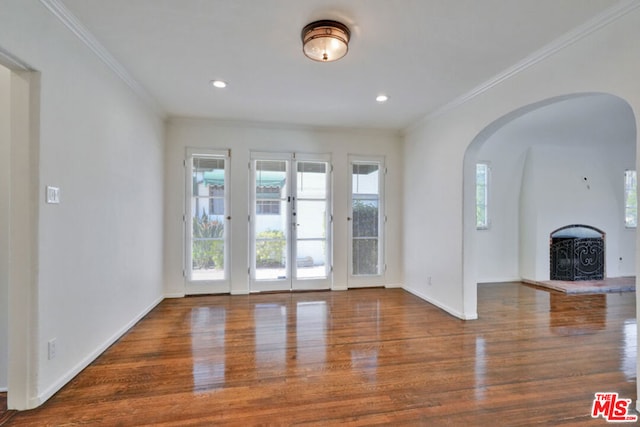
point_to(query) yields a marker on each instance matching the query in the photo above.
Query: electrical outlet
(429, 280)
(51, 349)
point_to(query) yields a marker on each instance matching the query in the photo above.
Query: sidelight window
(206, 219)
(367, 217)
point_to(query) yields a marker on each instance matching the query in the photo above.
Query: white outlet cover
(53, 195)
(51, 347)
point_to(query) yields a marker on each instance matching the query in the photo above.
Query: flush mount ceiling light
(325, 41)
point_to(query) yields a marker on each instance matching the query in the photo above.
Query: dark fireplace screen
(577, 257)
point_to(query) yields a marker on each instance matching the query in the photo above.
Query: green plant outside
(208, 244)
(270, 246)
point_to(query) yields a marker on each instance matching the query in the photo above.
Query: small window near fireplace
(630, 199)
(482, 196)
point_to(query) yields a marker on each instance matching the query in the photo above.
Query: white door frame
(24, 207)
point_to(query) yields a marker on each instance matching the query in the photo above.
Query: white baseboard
(500, 280)
(3, 389)
(62, 381)
(239, 292)
(174, 295)
(442, 306)
(393, 285)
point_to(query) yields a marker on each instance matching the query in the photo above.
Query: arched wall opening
(552, 163)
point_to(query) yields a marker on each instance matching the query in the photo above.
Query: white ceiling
(421, 53)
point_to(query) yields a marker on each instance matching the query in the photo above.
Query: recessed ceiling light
(382, 98)
(219, 83)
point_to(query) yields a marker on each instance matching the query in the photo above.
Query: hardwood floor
(4, 413)
(361, 357)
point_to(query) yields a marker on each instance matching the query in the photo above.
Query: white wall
(99, 252)
(4, 225)
(602, 61)
(498, 246)
(242, 138)
(555, 194)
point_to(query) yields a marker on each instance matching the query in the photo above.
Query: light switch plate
(53, 194)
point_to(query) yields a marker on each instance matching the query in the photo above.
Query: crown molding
(602, 20)
(254, 124)
(60, 11)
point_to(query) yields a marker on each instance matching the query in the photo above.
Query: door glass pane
(365, 219)
(311, 219)
(207, 219)
(365, 256)
(311, 259)
(271, 219)
(312, 180)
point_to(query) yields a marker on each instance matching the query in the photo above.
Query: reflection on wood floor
(360, 357)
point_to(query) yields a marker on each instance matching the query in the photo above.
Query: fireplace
(577, 253)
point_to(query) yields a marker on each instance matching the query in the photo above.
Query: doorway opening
(556, 162)
(5, 194)
(19, 181)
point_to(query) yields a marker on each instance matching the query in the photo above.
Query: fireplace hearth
(577, 253)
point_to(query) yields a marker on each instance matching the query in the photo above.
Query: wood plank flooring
(4, 413)
(360, 357)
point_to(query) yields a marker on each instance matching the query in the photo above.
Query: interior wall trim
(452, 311)
(60, 11)
(13, 63)
(600, 21)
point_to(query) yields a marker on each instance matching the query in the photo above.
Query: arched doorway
(556, 162)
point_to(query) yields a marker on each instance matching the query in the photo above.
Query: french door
(207, 220)
(367, 221)
(290, 222)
